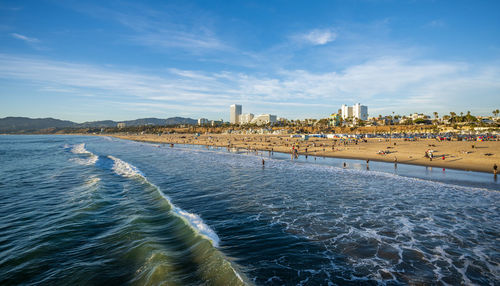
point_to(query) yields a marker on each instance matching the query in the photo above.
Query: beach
(463, 155)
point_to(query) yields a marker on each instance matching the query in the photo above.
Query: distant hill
(141, 122)
(29, 125)
(180, 120)
(102, 123)
(26, 125)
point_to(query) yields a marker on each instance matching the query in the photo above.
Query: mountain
(29, 125)
(145, 121)
(180, 120)
(26, 125)
(102, 123)
(140, 122)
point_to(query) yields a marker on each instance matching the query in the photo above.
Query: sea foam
(91, 158)
(80, 149)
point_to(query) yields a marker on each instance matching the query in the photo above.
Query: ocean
(87, 210)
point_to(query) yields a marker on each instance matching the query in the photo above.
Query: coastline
(458, 155)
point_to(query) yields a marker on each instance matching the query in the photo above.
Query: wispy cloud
(385, 84)
(168, 28)
(317, 36)
(27, 39)
(178, 39)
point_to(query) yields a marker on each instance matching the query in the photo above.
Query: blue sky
(93, 60)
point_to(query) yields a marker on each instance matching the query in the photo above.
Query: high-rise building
(346, 111)
(235, 114)
(357, 111)
(360, 111)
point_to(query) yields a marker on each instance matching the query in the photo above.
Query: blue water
(98, 210)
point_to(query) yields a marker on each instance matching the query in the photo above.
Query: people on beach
(495, 169)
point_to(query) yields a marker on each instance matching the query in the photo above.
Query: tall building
(360, 111)
(346, 111)
(357, 111)
(235, 114)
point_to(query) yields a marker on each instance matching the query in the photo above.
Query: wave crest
(125, 169)
(91, 158)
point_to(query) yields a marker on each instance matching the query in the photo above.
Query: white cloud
(25, 38)
(317, 37)
(390, 84)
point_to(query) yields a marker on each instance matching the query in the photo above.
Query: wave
(125, 169)
(128, 170)
(90, 159)
(80, 149)
(194, 221)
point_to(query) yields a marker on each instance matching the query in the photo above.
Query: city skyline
(93, 61)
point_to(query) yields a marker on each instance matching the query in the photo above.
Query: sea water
(98, 210)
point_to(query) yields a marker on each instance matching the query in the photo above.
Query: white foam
(80, 149)
(88, 161)
(197, 223)
(125, 169)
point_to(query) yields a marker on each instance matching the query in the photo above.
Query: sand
(462, 155)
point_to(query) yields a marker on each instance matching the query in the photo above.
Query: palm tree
(496, 112)
(436, 115)
(453, 117)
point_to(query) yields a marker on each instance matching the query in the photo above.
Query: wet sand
(462, 155)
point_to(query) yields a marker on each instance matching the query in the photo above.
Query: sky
(120, 60)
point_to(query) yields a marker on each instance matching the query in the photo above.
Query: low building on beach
(264, 119)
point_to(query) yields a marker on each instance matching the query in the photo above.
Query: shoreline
(450, 162)
(459, 155)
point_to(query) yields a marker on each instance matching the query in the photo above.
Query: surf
(212, 265)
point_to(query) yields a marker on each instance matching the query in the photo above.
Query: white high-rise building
(357, 111)
(235, 114)
(346, 111)
(360, 111)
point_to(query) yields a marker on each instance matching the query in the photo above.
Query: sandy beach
(464, 155)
